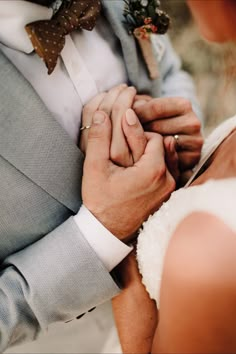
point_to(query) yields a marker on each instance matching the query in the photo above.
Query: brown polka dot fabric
(48, 37)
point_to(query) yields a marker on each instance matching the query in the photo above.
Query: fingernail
(139, 103)
(98, 118)
(131, 118)
(132, 88)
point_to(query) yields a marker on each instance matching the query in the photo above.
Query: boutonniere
(143, 19)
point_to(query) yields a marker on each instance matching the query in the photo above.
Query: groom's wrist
(110, 250)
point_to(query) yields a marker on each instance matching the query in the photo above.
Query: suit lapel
(114, 13)
(34, 143)
(136, 68)
(30, 138)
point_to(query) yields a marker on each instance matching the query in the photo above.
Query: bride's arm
(135, 313)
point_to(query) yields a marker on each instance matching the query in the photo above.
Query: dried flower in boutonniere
(143, 19)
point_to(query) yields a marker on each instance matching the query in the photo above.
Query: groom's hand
(169, 116)
(122, 198)
(115, 103)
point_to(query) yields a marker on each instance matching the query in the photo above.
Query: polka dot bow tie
(48, 37)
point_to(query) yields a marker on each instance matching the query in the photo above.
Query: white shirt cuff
(108, 248)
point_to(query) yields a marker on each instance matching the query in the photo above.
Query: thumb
(99, 141)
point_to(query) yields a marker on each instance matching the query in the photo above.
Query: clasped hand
(125, 174)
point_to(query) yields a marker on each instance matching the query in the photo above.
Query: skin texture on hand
(122, 198)
(167, 116)
(115, 103)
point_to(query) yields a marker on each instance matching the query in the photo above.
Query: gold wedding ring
(177, 144)
(85, 127)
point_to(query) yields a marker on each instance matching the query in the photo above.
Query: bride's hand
(116, 104)
(173, 116)
(171, 155)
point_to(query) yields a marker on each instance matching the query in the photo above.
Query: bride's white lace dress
(217, 197)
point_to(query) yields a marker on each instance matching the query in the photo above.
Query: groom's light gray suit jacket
(48, 272)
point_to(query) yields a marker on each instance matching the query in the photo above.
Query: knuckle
(159, 141)
(153, 126)
(121, 158)
(194, 124)
(159, 138)
(87, 110)
(157, 106)
(157, 173)
(200, 142)
(115, 109)
(105, 108)
(95, 133)
(116, 156)
(184, 105)
(131, 92)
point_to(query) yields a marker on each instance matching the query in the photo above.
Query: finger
(142, 97)
(171, 157)
(163, 107)
(124, 101)
(99, 140)
(153, 161)
(154, 167)
(87, 115)
(120, 152)
(134, 134)
(182, 124)
(188, 159)
(91, 107)
(189, 142)
(139, 100)
(154, 171)
(109, 99)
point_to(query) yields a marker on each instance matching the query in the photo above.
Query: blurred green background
(207, 62)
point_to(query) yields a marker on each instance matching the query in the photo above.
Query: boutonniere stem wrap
(143, 19)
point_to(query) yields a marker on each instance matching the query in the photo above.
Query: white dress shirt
(90, 63)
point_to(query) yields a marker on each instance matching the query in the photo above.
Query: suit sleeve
(55, 279)
(175, 81)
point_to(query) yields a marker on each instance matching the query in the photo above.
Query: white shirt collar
(14, 15)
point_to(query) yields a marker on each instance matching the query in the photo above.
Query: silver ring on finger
(177, 142)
